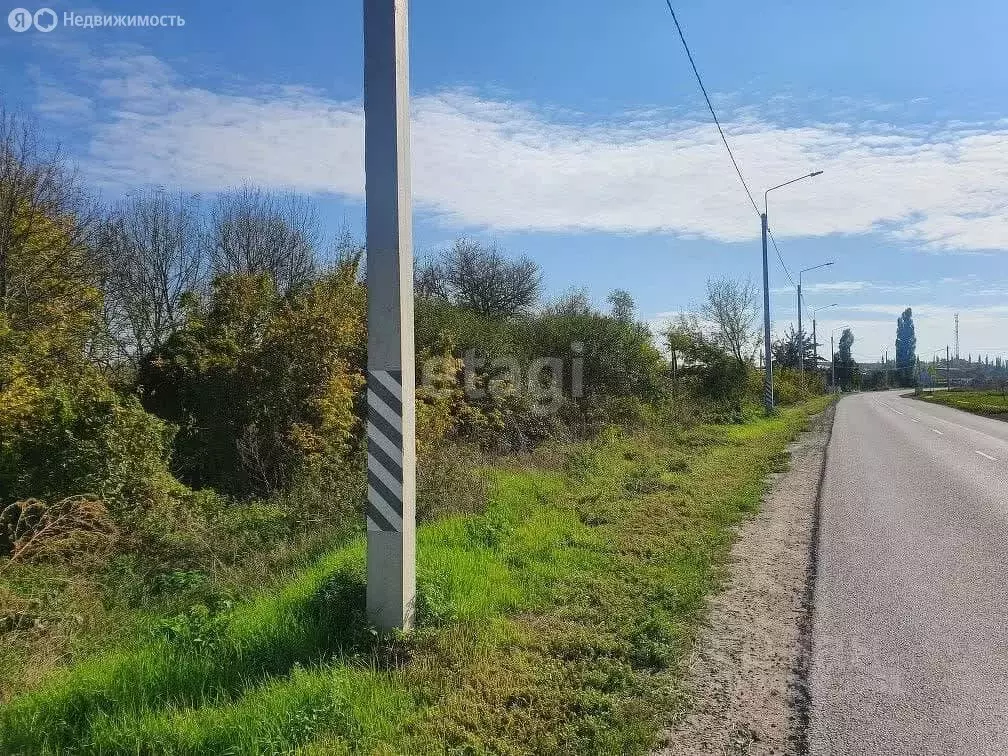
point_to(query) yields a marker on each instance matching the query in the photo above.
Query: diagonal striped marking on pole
(391, 380)
(387, 417)
(376, 417)
(384, 432)
(380, 517)
(379, 393)
(382, 481)
(391, 463)
(376, 439)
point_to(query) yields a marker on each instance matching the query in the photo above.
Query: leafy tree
(48, 268)
(789, 351)
(480, 278)
(262, 386)
(847, 370)
(618, 356)
(875, 381)
(64, 431)
(713, 374)
(623, 306)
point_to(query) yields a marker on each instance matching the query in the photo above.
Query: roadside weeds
(555, 622)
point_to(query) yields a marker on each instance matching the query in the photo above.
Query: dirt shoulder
(744, 685)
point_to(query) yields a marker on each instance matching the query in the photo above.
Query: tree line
(181, 379)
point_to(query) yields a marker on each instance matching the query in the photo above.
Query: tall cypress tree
(906, 346)
(847, 369)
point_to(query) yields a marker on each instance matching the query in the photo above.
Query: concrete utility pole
(801, 333)
(832, 361)
(768, 399)
(948, 369)
(815, 338)
(801, 336)
(815, 346)
(391, 381)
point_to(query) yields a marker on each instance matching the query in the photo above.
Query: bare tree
(252, 231)
(346, 249)
(153, 243)
(46, 223)
(480, 277)
(731, 308)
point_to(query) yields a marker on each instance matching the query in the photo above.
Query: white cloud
(963, 286)
(61, 105)
(839, 287)
(512, 166)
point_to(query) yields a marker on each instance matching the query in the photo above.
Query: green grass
(990, 403)
(552, 623)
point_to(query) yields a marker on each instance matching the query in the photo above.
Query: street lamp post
(768, 397)
(815, 338)
(801, 333)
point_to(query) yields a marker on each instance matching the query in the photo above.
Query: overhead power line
(711, 108)
(780, 257)
(724, 138)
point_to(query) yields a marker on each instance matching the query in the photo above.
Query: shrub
(88, 461)
(711, 375)
(64, 432)
(77, 529)
(618, 357)
(791, 388)
(81, 437)
(262, 386)
(490, 413)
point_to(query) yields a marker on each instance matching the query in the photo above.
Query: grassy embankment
(989, 403)
(554, 622)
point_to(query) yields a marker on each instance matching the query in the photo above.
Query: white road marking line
(914, 419)
(960, 426)
(935, 430)
(985, 456)
(889, 406)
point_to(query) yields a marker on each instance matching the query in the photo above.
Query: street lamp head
(814, 267)
(815, 173)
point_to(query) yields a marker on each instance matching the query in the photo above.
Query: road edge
(743, 686)
(803, 696)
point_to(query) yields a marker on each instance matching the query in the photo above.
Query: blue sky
(575, 133)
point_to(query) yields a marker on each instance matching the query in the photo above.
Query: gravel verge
(743, 691)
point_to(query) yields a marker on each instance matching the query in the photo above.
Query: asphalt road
(910, 627)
